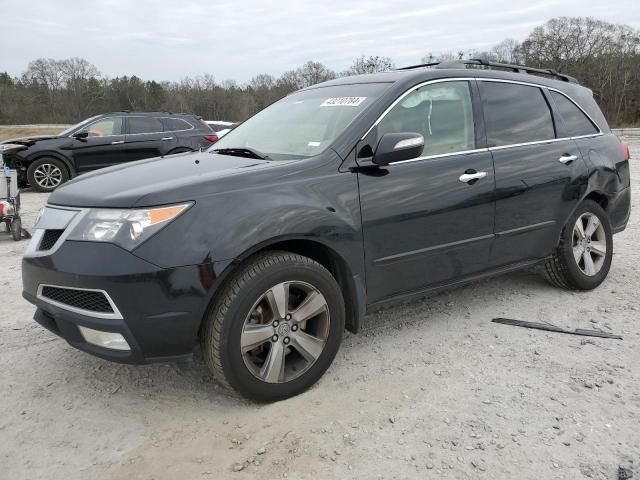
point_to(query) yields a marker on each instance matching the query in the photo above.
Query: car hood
(163, 180)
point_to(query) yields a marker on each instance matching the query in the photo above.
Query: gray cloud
(168, 40)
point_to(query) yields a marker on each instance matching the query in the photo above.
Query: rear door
(178, 133)
(425, 222)
(103, 147)
(146, 138)
(540, 174)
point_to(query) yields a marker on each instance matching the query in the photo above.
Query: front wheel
(275, 327)
(583, 257)
(46, 174)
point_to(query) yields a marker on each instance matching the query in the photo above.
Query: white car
(220, 127)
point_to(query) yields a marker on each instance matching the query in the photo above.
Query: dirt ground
(6, 133)
(429, 389)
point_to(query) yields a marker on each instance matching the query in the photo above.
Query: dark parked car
(106, 140)
(339, 198)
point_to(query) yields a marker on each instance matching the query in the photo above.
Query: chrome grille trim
(116, 315)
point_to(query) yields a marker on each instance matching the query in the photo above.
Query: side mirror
(80, 135)
(396, 147)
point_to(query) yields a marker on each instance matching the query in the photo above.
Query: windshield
(72, 128)
(303, 124)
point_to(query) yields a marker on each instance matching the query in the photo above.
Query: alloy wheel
(48, 175)
(589, 244)
(285, 332)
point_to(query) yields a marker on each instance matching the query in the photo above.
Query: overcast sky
(171, 39)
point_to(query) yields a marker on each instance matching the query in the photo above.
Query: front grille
(49, 239)
(83, 299)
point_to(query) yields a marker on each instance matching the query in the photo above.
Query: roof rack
(484, 63)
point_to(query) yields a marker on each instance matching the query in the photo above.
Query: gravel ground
(429, 389)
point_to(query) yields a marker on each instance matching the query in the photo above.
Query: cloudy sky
(171, 39)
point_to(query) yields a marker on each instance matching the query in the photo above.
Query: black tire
(16, 229)
(40, 183)
(225, 320)
(562, 269)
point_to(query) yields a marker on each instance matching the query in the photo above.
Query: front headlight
(125, 227)
(5, 147)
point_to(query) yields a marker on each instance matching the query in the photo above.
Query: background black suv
(105, 140)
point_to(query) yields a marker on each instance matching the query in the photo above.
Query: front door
(429, 221)
(104, 145)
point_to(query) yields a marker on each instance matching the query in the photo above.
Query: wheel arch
(44, 154)
(598, 197)
(595, 195)
(352, 286)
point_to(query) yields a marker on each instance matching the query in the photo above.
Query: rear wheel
(275, 328)
(16, 229)
(46, 174)
(583, 258)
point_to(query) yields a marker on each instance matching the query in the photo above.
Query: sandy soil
(6, 133)
(429, 389)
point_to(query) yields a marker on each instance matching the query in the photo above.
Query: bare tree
(370, 64)
(507, 51)
(311, 73)
(605, 57)
(439, 57)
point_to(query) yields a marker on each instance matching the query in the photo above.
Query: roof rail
(478, 62)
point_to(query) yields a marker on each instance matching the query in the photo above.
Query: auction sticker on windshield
(343, 102)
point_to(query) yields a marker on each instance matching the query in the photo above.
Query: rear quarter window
(172, 124)
(574, 122)
(515, 114)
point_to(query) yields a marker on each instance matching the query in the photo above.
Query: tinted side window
(172, 124)
(515, 114)
(442, 113)
(575, 122)
(143, 125)
(105, 127)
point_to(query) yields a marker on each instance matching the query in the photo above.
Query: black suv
(339, 198)
(106, 140)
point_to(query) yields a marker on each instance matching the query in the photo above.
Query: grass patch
(7, 133)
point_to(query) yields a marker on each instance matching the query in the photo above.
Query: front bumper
(160, 309)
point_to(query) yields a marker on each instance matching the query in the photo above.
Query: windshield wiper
(242, 152)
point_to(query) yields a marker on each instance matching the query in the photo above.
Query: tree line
(604, 57)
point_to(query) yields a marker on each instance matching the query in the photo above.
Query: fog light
(113, 341)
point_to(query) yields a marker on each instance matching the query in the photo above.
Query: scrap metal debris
(624, 473)
(552, 328)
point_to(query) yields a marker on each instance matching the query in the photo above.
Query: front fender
(226, 226)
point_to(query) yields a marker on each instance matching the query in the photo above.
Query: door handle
(567, 158)
(470, 177)
(118, 142)
(167, 138)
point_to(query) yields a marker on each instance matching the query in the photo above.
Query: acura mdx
(339, 198)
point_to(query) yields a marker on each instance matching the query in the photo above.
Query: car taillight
(211, 138)
(625, 151)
